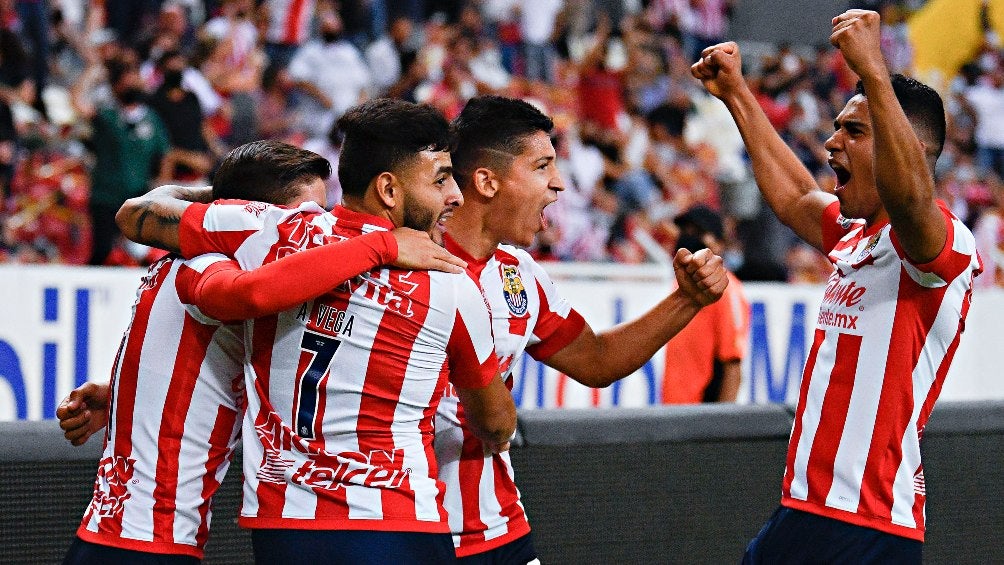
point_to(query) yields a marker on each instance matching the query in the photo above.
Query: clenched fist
(701, 276)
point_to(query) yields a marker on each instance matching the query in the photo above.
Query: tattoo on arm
(163, 231)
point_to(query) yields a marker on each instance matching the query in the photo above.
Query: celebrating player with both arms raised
(891, 319)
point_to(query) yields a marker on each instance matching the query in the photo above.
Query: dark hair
(267, 171)
(493, 123)
(922, 106)
(168, 55)
(383, 134)
(673, 118)
(116, 69)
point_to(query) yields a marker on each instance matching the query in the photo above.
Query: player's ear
(485, 182)
(388, 190)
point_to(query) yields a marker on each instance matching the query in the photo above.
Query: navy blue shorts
(351, 547)
(793, 536)
(86, 553)
(519, 551)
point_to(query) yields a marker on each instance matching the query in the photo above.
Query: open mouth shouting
(843, 175)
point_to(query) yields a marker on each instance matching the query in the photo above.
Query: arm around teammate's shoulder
(152, 219)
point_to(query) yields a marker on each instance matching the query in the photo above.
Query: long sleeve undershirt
(227, 293)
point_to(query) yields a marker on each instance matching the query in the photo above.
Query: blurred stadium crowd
(101, 100)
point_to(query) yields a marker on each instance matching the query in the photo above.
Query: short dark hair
(267, 171)
(383, 134)
(673, 118)
(922, 106)
(490, 125)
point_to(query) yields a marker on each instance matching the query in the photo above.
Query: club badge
(872, 244)
(514, 291)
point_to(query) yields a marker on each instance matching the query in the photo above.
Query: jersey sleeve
(224, 225)
(558, 324)
(190, 274)
(471, 347)
(220, 227)
(958, 255)
(835, 226)
(222, 290)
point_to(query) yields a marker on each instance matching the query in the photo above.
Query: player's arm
(731, 378)
(491, 413)
(84, 412)
(599, 359)
(787, 186)
(152, 219)
(902, 169)
(225, 292)
(474, 370)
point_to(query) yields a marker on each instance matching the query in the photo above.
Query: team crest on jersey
(872, 244)
(513, 290)
(255, 208)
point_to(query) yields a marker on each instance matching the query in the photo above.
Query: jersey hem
(156, 547)
(880, 524)
(515, 532)
(343, 524)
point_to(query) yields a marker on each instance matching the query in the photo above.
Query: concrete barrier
(688, 484)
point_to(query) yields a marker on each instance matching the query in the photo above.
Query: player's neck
(367, 205)
(469, 230)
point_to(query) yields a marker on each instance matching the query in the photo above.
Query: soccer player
(505, 164)
(338, 453)
(891, 316)
(176, 396)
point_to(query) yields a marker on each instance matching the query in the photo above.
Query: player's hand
(857, 33)
(720, 69)
(417, 252)
(83, 412)
(495, 448)
(700, 276)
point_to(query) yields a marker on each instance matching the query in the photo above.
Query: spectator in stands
(389, 55)
(703, 360)
(989, 233)
(129, 142)
(34, 20)
(288, 28)
(987, 100)
(190, 158)
(278, 115)
(91, 89)
(601, 89)
(537, 26)
(580, 221)
(331, 71)
(235, 65)
(16, 83)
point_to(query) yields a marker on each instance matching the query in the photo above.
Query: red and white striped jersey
(528, 314)
(289, 21)
(886, 334)
(343, 390)
(177, 396)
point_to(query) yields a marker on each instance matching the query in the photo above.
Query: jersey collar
(361, 218)
(474, 265)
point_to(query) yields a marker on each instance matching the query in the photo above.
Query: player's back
(345, 386)
(174, 415)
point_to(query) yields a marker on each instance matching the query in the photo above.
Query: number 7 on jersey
(316, 353)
